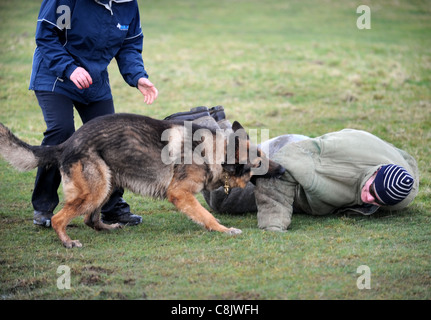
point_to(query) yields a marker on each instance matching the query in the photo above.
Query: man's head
(390, 185)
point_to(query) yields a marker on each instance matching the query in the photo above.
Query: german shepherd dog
(126, 150)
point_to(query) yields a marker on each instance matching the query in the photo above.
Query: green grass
(289, 66)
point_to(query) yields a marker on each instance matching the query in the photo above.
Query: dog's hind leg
(186, 202)
(93, 220)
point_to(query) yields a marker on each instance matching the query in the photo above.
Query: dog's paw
(72, 243)
(233, 231)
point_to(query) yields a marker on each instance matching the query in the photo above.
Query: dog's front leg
(186, 202)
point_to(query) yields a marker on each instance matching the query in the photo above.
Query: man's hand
(81, 78)
(148, 89)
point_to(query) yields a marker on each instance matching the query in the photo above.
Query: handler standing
(76, 41)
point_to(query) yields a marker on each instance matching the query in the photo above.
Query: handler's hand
(81, 78)
(148, 89)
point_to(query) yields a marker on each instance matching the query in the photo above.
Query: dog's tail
(23, 156)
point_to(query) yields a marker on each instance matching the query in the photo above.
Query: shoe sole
(46, 224)
(122, 223)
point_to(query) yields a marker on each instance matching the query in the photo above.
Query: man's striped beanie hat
(392, 184)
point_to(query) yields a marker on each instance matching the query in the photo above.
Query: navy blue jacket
(89, 34)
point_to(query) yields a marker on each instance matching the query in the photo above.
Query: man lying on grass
(349, 171)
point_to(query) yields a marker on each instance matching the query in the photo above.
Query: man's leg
(116, 210)
(57, 111)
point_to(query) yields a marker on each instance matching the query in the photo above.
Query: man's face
(368, 194)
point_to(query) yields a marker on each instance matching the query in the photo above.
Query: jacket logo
(123, 27)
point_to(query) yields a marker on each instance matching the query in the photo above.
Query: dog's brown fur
(124, 150)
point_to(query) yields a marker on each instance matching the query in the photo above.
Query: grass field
(288, 66)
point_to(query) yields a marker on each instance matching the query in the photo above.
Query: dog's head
(246, 162)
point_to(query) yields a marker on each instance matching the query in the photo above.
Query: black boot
(120, 213)
(217, 113)
(193, 114)
(219, 116)
(42, 218)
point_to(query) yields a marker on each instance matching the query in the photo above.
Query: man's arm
(131, 65)
(238, 201)
(58, 60)
(274, 200)
(129, 57)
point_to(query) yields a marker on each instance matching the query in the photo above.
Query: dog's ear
(236, 126)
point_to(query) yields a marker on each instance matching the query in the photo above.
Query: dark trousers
(57, 111)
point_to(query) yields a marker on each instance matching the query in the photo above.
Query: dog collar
(226, 183)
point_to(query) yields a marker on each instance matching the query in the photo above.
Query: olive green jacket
(325, 175)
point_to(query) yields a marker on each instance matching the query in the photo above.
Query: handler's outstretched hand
(148, 89)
